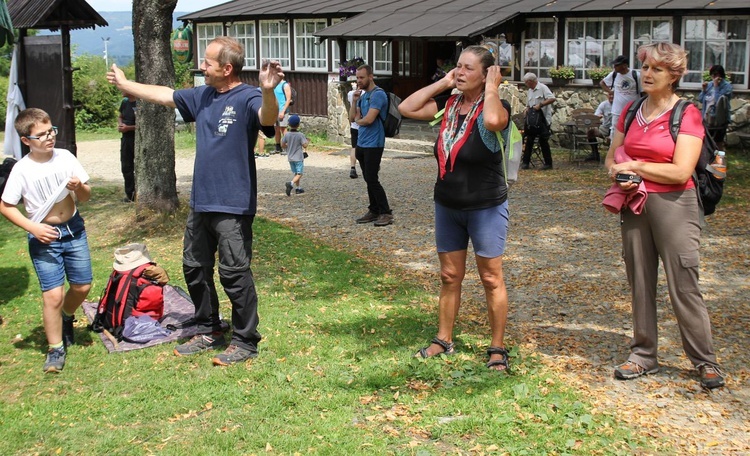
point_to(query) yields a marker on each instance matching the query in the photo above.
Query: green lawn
(335, 373)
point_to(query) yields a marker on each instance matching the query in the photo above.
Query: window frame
(725, 41)
(305, 40)
(248, 41)
(615, 44)
(382, 66)
(265, 38)
(635, 42)
(202, 38)
(538, 69)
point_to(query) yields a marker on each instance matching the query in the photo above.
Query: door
(48, 87)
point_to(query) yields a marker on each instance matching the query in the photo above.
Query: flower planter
(595, 82)
(560, 81)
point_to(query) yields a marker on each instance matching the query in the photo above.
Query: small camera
(623, 177)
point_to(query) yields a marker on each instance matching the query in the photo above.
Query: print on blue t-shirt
(226, 124)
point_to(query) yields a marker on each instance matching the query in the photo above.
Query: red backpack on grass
(128, 293)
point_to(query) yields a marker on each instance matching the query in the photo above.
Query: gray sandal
(498, 362)
(448, 348)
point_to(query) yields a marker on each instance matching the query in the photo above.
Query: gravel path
(569, 298)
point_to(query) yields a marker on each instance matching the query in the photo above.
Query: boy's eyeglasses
(46, 136)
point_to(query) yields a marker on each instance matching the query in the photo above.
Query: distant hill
(120, 33)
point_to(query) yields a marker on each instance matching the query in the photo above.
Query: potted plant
(597, 74)
(349, 67)
(562, 74)
(706, 76)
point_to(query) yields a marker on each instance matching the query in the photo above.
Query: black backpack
(534, 122)
(293, 98)
(5, 169)
(709, 188)
(392, 122)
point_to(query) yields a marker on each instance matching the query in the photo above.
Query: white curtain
(16, 104)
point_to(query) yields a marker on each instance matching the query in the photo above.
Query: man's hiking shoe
(711, 376)
(630, 370)
(384, 220)
(367, 218)
(55, 361)
(288, 188)
(299, 191)
(234, 354)
(199, 343)
(68, 335)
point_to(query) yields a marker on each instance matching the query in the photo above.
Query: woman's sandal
(448, 348)
(498, 362)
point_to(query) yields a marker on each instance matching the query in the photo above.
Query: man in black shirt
(126, 126)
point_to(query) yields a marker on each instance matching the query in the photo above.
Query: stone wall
(568, 98)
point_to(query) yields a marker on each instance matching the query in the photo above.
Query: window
(410, 58)
(592, 42)
(353, 49)
(647, 30)
(206, 33)
(244, 32)
(307, 54)
(716, 41)
(383, 57)
(539, 46)
(274, 41)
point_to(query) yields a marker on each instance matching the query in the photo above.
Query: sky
(127, 5)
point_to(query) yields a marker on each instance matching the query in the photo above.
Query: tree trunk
(156, 182)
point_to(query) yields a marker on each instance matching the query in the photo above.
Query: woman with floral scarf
(470, 192)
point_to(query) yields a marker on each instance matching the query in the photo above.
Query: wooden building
(401, 39)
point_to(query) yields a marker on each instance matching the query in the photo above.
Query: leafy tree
(182, 76)
(95, 99)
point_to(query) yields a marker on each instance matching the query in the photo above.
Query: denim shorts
(297, 166)
(487, 229)
(67, 256)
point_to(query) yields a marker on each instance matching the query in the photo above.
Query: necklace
(647, 123)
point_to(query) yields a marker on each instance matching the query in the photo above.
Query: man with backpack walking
(368, 110)
(228, 115)
(624, 85)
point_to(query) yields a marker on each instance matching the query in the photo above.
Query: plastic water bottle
(720, 165)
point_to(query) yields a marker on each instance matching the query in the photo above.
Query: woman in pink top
(669, 227)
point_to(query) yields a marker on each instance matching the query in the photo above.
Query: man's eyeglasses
(46, 136)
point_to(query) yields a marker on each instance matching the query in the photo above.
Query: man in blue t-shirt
(228, 115)
(368, 110)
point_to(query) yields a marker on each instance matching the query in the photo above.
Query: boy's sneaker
(68, 335)
(288, 188)
(199, 343)
(711, 376)
(630, 370)
(299, 190)
(55, 361)
(353, 173)
(234, 354)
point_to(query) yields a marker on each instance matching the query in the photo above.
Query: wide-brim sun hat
(130, 257)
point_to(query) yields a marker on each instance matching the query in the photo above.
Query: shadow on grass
(13, 283)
